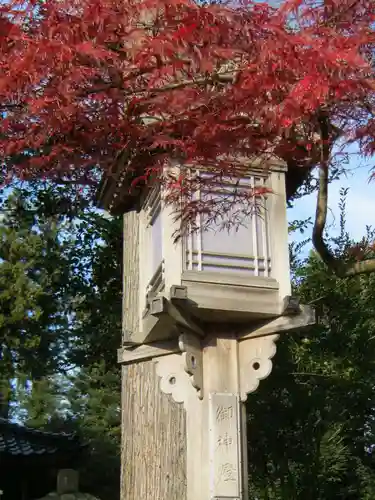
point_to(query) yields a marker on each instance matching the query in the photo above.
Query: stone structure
(67, 487)
(30, 459)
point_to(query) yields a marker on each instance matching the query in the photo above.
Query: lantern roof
(117, 194)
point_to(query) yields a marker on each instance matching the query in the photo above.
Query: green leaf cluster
(311, 423)
(60, 322)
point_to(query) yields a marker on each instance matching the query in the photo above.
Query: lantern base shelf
(234, 299)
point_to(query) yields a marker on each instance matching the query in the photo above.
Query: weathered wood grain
(153, 451)
(130, 318)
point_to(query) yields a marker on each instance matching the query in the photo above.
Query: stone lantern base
(67, 487)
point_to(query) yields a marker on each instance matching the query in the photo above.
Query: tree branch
(77, 182)
(227, 77)
(7, 107)
(340, 268)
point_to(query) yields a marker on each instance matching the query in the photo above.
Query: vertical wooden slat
(199, 237)
(264, 226)
(254, 232)
(130, 317)
(190, 250)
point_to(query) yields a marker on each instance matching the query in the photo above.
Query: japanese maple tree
(95, 85)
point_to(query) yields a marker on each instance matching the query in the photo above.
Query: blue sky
(360, 201)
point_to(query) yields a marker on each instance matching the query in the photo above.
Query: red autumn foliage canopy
(85, 82)
(82, 81)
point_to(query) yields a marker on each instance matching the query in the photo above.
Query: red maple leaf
(80, 81)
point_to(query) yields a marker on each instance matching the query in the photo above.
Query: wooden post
(186, 373)
(153, 451)
(184, 422)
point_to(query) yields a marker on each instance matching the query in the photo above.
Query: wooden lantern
(201, 318)
(211, 274)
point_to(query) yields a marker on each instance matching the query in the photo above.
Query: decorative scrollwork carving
(255, 363)
(191, 349)
(174, 379)
(182, 374)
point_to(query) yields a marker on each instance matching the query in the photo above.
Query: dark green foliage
(60, 322)
(311, 429)
(95, 392)
(95, 403)
(33, 314)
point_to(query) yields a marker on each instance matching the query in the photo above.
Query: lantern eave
(117, 195)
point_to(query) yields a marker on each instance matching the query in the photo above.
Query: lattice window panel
(243, 249)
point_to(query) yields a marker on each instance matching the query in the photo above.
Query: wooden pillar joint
(180, 360)
(212, 377)
(179, 363)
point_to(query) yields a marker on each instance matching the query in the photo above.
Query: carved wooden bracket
(191, 349)
(255, 363)
(180, 374)
(174, 380)
(179, 360)
(164, 317)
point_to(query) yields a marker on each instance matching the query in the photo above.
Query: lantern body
(235, 275)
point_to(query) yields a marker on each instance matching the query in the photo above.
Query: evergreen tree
(95, 392)
(311, 430)
(33, 314)
(60, 320)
